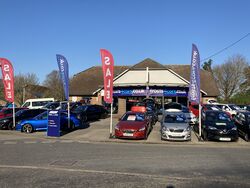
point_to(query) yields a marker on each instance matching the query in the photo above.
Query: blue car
(40, 123)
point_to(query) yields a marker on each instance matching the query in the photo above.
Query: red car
(7, 112)
(134, 125)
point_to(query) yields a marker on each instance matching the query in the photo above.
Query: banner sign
(108, 74)
(53, 123)
(64, 73)
(8, 79)
(194, 86)
(151, 92)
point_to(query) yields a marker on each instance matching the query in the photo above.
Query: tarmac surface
(99, 131)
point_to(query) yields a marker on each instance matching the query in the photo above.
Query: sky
(32, 32)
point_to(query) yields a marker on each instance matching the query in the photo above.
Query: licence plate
(128, 134)
(176, 134)
(225, 139)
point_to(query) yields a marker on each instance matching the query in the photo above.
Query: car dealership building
(148, 78)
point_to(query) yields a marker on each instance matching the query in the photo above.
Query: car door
(92, 113)
(42, 122)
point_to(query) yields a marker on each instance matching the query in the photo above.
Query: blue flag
(64, 73)
(194, 86)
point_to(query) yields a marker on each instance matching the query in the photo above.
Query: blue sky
(32, 32)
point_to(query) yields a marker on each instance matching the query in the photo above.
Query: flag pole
(14, 118)
(200, 120)
(111, 121)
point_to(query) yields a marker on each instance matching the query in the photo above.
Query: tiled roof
(88, 81)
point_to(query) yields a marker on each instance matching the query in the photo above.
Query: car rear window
(133, 117)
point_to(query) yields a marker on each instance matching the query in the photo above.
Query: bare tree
(230, 75)
(21, 81)
(54, 83)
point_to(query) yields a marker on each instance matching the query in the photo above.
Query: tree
(21, 81)
(54, 83)
(207, 65)
(230, 75)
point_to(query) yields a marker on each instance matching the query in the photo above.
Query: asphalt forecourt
(98, 131)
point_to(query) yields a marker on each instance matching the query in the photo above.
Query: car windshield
(234, 107)
(133, 117)
(18, 113)
(81, 108)
(43, 115)
(175, 118)
(217, 117)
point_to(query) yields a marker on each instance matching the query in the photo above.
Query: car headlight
(212, 128)
(165, 128)
(188, 129)
(142, 129)
(234, 129)
(5, 120)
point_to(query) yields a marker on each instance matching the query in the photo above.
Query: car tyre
(10, 126)
(27, 128)
(205, 138)
(84, 119)
(72, 125)
(246, 137)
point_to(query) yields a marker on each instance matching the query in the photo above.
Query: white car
(232, 109)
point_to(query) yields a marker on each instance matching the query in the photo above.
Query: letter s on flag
(108, 74)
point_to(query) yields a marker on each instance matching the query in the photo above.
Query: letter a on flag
(108, 74)
(8, 79)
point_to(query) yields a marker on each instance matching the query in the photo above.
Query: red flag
(8, 79)
(108, 74)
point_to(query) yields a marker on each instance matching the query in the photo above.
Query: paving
(98, 131)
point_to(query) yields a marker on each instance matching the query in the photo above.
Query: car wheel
(84, 119)
(72, 125)
(10, 126)
(27, 128)
(246, 137)
(205, 136)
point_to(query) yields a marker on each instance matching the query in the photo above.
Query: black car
(242, 121)
(90, 112)
(217, 125)
(7, 123)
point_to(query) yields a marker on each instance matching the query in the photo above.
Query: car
(7, 112)
(174, 126)
(51, 105)
(90, 112)
(177, 107)
(40, 123)
(217, 125)
(134, 125)
(7, 123)
(242, 122)
(151, 109)
(230, 108)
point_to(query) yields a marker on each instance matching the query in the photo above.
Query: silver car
(174, 126)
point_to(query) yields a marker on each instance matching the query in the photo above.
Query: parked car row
(34, 119)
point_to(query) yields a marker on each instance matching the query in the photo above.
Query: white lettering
(6, 68)
(108, 73)
(106, 60)
(8, 85)
(108, 94)
(7, 77)
(108, 85)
